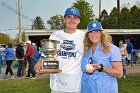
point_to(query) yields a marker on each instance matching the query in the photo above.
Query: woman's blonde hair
(106, 41)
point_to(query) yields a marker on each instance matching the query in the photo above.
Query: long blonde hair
(106, 41)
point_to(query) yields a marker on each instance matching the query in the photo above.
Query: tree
(135, 17)
(104, 19)
(4, 38)
(16, 40)
(38, 23)
(125, 19)
(56, 22)
(86, 13)
(113, 19)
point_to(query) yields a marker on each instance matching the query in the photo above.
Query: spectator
(20, 58)
(25, 60)
(36, 54)
(9, 57)
(129, 50)
(41, 49)
(1, 63)
(123, 54)
(30, 57)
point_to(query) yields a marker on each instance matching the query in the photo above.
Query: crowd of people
(25, 53)
(91, 63)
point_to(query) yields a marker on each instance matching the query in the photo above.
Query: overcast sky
(43, 8)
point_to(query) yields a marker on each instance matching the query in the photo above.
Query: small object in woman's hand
(89, 67)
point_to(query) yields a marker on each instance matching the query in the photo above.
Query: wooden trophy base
(43, 71)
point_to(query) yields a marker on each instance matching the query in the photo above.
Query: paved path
(135, 68)
(14, 68)
(130, 70)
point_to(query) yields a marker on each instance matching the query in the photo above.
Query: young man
(69, 55)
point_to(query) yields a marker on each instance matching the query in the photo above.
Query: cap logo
(94, 25)
(72, 10)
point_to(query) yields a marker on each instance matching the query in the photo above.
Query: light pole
(19, 21)
(118, 5)
(99, 8)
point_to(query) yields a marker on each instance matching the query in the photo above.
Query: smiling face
(71, 21)
(95, 36)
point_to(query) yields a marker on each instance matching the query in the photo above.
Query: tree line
(127, 18)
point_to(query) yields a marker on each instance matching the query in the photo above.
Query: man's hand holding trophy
(48, 64)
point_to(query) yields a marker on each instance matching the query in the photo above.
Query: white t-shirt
(69, 57)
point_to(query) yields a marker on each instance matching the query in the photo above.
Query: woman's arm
(116, 71)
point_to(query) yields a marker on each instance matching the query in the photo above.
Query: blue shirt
(129, 48)
(36, 55)
(42, 55)
(9, 54)
(100, 82)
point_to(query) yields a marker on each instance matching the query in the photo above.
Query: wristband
(101, 69)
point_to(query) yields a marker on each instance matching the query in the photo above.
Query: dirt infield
(135, 68)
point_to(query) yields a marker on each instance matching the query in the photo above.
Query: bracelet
(101, 69)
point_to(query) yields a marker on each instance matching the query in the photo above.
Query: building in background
(117, 34)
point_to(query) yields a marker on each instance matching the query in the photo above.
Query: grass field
(25, 86)
(129, 85)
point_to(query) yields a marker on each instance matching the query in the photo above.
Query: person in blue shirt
(101, 62)
(1, 51)
(129, 49)
(9, 57)
(36, 53)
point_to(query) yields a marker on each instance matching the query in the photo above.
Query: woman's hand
(90, 68)
(96, 66)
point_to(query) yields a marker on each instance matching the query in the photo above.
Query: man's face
(71, 21)
(27, 44)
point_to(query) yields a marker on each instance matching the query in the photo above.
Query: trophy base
(46, 64)
(43, 71)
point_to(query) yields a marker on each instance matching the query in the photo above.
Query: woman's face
(95, 36)
(120, 44)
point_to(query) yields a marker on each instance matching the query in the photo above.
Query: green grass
(129, 85)
(25, 86)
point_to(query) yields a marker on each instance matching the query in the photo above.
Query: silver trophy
(50, 64)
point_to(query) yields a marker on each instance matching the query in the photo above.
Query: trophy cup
(50, 64)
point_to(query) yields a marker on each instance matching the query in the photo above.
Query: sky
(45, 9)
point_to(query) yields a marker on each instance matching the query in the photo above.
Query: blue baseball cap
(94, 26)
(72, 11)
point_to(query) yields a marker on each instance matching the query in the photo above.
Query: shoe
(5, 77)
(124, 77)
(18, 75)
(27, 77)
(12, 77)
(32, 77)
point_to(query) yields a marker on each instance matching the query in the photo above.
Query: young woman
(123, 55)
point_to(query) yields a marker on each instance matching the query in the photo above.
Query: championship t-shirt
(69, 54)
